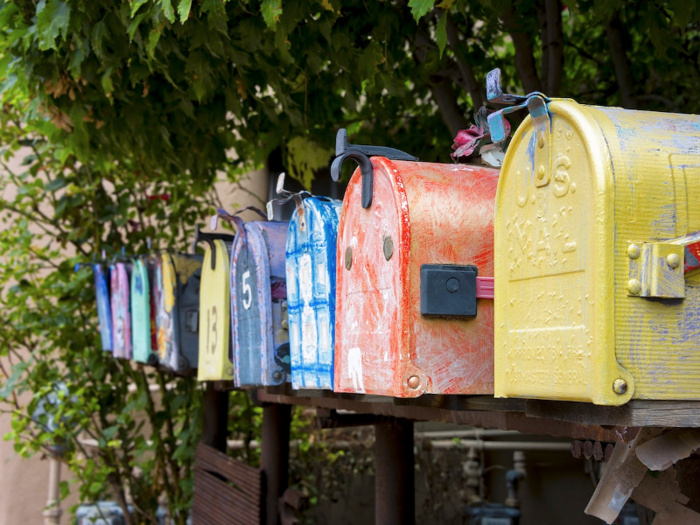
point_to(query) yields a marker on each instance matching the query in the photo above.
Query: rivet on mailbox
(414, 309)
(176, 296)
(259, 303)
(311, 270)
(216, 349)
(595, 298)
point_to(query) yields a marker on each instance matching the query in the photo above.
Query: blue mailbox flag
(259, 304)
(311, 262)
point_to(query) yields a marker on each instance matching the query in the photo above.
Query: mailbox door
(164, 291)
(104, 309)
(452, 214)
(310, 265)
(371, 326)
(121, 314)
(141, 313)
(188, 269)
(215, 305)
(555, 241)
(258, 314)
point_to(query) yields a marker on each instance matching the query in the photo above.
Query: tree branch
(554, 48)
(472, 86)
(442, 91)
(524, 57)
(623, 72)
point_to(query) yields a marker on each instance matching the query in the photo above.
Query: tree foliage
(124, 113)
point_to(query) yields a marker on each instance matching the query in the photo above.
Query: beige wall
(24, 482)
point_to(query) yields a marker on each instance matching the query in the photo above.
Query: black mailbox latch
(447, 290)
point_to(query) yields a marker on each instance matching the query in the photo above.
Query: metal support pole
(52, 515)
(215, 418)
(275, 458)
(395, 479)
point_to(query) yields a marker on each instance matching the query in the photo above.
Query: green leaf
(52, 21)
(168, 11)
(420, 8)
(441, 33)
(56, 184)
(271, 11)
(183, 10)
(153, 38)
(135, 4)
(134, 25)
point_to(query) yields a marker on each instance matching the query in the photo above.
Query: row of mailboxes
(148, 309)
(570, 274)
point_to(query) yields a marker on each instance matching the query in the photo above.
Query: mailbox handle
(360, 154)
(209, 238)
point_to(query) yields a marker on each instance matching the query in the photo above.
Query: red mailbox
(415, 279)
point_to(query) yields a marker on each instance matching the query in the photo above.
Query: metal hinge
(657, 269)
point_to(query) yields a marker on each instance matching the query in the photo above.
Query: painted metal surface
(176, 294)
(121, 310)
(143, 328)
(571, 203)
(104, 307)
(215, 356)
(259, 305)
(310, 267)
(420, 214)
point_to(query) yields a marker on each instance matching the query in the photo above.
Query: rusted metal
(395, 477)
(275, 458)
(225, 490)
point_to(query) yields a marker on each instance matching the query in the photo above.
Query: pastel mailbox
(310, 253)
(597, 288)
(215, 355)
(121, 309)
(259, 304)
(176, 296)
(143, 322)
(414, 276)
(104, 309)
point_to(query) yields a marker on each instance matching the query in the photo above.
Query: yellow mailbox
(597, 288)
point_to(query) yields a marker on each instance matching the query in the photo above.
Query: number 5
(247, 295)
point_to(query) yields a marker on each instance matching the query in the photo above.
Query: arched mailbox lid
(176, 291)
(589, 206)
(426, 224)
(143, 329)
(259, 305)
(121, 310)
(215, 356)
(310, 267)
(104, 308)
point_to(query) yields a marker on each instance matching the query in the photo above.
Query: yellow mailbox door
(596, 298)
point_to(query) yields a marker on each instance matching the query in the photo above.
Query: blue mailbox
(310, 266)
(104, 309)
(259, 304)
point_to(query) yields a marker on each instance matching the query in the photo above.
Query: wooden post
(395, 479)
(275, 458)
(215, 418)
